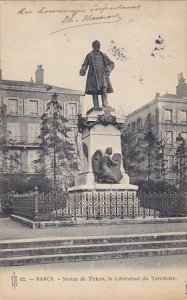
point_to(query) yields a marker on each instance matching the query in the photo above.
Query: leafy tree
(139, 155)
(155, 186)
(3, 137)
(56, 155)
(144, 156)
(180, 167)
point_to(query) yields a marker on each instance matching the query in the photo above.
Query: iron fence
(97, 205)
(173, 204)
(40, 206)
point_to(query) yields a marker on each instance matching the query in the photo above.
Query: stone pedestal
(98, 137)
(99, 134)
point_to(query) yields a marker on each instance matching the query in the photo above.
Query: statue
(98, 82)
(105, 168)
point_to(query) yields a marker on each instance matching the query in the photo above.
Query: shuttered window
(33, 132)
(169, 138)
(13, 106)
(14, 131)
(32, 155)
(66, 112)
(33, 107)
(183, 116)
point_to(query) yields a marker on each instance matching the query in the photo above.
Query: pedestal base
(103, 204)
(106, 187)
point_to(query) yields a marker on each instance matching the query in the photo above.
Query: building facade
(167, 117)
(25, 102)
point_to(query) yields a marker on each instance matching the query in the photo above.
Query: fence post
(75, 206)
(36, 213)
(12, 202)
(133, 206)
(110, 206)
(87, 217)
(122, 205)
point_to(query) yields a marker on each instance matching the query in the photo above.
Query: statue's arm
(110, 64)
(114, 163)
(84, 66)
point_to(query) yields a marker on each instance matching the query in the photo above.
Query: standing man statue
(98, 82)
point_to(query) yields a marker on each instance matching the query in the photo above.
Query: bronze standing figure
(98, 82)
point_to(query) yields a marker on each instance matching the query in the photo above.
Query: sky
(147, 41)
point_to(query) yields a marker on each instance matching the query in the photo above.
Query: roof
(169, 96)
(32, 85)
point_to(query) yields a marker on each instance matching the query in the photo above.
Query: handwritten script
(72, 18)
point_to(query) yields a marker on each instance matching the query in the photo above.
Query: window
(72, 110)
(168, 115)
(32, 155)
(183, 116)
(13, 106)
(66, 108)
(139, 124)
(14, 161)
(149, 119)
(33, 107)
(72, 135)
(170, 161)
(133, 126)
(170, 181)
(169, 138)
(184, 135)
(33, 132)
(14, 129)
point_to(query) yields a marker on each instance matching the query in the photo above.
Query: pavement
(148, 278)
(11, 230)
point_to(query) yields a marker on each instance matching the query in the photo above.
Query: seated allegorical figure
(105, 168)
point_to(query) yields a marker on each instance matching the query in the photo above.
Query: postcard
(113, 63)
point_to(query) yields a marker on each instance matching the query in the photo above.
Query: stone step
(54, 258)
(89, 240)
(5, 253)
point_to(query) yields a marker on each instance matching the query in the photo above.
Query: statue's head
(96, 45)
(109, 151)
(98, 153)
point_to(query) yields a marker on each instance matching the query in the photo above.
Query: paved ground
(169, 271)
(10, 229)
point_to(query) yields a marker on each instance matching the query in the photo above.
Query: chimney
(39, 75)
(181, 89)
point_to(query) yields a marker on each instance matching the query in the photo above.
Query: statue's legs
(104, 97)
(95, 100)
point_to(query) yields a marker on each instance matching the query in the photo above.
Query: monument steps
(46, 259)
(91, 248)
(21, 243)
(23, 252)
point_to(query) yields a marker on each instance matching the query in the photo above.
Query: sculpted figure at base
(105, 168)
(98, 82)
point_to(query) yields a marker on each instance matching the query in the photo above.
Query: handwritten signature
(88, 20)
(78, 17)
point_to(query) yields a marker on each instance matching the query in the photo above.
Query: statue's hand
(107, 72)
(81, 73)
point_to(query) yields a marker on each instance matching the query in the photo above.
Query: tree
(56, 154)
(138, 148)
(3, 136)
(180, 166)
(144, 153)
